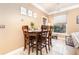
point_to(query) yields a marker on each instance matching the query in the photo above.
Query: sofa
(75, 39)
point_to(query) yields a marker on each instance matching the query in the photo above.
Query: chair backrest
(44, 31)
(50, 30)
(44, 27)
(25, 31)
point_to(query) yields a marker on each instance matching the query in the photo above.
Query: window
(60, 24)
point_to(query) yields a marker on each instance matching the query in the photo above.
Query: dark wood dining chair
(42, 39)
(33, 41)
(44, 27)
(29, 38)
(41, 43)
(26, 36)
(50, 35)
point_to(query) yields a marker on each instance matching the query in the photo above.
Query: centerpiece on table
(32, 25)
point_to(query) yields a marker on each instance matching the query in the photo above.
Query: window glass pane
(60, 24)
(60, 19)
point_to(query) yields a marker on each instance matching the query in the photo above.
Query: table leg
(36, 45)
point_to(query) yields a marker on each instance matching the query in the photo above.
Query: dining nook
(37, 39)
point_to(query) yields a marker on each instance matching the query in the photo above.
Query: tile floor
(59, 48)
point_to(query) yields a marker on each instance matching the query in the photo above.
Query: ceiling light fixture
(57, 7)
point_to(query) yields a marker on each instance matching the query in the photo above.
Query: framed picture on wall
(77, 20)
(30, 13)
(23, 11)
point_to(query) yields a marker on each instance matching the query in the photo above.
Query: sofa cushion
(75, 38)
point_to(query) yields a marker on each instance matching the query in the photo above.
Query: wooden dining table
(35, 33)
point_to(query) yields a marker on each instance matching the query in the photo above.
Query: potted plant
(32, 25)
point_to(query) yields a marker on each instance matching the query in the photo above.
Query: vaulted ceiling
(51, 8)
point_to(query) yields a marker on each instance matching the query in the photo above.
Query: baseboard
(15, 51)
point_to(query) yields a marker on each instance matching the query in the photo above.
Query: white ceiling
(51, 8)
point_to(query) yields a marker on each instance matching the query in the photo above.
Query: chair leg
(36, 49)
(36, 46)
(24, 45)
(32, 49)
(49, 44)
(29, 49)
(32, 46)
(46, 47)
(40, 49)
